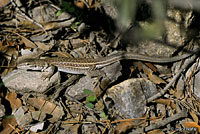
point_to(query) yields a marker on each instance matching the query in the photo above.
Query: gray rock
(22, 118)
(110, 73)
(2, 110)
(128, 98)
(29, 81)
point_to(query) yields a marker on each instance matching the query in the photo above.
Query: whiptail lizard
(82, 65)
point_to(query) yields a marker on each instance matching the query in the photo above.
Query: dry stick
(164, 122)
(162, 92)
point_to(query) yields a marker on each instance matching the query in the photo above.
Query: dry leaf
(46, 107)
(151, 66)
(4, 2)
(166, 102)
(179, 94)
(28, 24)
(75, 129)
(122, 127)
(14, 101)
(191, 125)
(195, 117)
(50, 25)
(56, 114)
(43, 46)
(8, 125)
(163, 101)
(154, 78)
(27, 42)
(36, 102)
(58, 24)
(8, 51)
(156, 131)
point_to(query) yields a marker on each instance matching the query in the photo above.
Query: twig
(162, 92)
(164, 122)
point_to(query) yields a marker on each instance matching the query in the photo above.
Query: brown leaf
(191, 125)
(195, 117)
(163, 101)
(8, 51)
(56, 114)
(46, 107)
(50, 25)
(27, 42)
(4, 2)
(75, 129)
(36, 102)
(122, 127)
(151, 66)
(154, 78)
(14, 101)
(166, 102)
(8, 125)
(179, 94)
(156, 131)
(43, 46)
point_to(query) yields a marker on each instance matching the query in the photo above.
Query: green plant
(75, 26)
(103, 115)
(90, 99)
(69, 7)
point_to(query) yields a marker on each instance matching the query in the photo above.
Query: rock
(29, 81)
(129, 97)
(2, 110)
(111, 73)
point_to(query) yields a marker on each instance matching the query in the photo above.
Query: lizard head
(30, 64)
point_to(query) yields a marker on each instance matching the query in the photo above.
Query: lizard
(83, 65)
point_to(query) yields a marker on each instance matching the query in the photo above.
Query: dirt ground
(66, 66)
